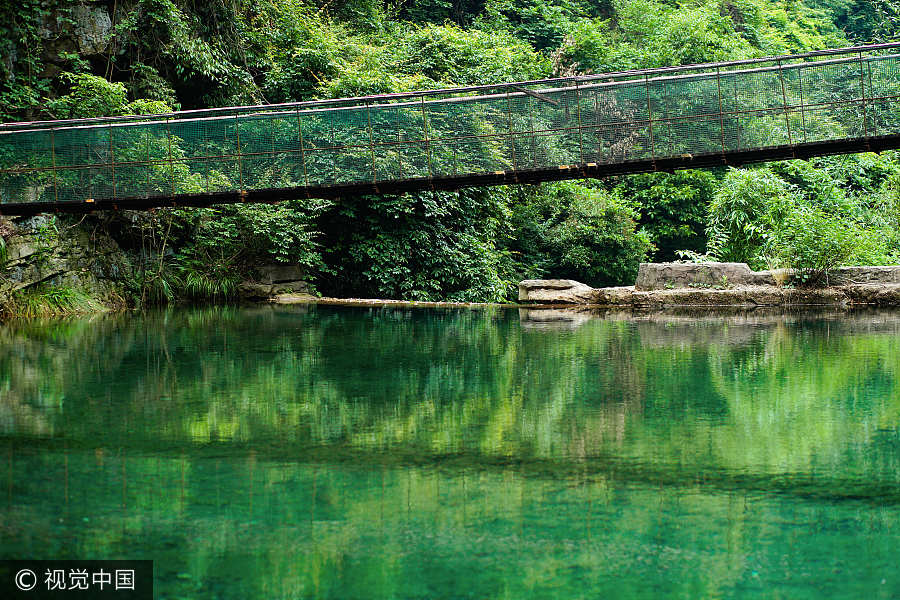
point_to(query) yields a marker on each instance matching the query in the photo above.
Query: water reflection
(382, 453)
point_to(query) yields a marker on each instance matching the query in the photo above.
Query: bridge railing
(567, 123)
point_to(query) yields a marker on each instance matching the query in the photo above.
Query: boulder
(291, 287)
(255, 290)
(249, 290)
(556, 291)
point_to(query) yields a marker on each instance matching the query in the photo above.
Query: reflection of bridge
(828, 102)
(607, 467)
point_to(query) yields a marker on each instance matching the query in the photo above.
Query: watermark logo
(38, 579)
(26, 580)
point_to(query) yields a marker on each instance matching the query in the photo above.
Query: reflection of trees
(387, 453)
(441, 382)
(807, 400)
(781, 398)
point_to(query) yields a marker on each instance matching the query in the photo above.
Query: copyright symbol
(22, 580)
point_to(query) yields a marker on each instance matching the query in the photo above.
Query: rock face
(555, 291)
(43, 252)
(272, 280)
(40, 252)
(92, 28)
(85, 28)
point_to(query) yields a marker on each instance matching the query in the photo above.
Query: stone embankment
(661, 285)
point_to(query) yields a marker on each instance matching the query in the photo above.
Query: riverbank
(661, 285)
(58, 268)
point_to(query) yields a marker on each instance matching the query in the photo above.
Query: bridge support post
(874, 112)
(112, 160)
(237, 134)
(371, 145)
(721, 113)
(787, 114)
(426, 139)
(580, 130)
(171, 163)
(302, 149)
(862, 93)
(650, 121)
(512, 138)
(53, 163)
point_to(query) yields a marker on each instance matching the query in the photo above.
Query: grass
(204, 286)
(50, 302)
(172, 284)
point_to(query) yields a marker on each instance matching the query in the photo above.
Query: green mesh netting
(539, 125)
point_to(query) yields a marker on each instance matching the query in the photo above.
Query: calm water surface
(346, 453)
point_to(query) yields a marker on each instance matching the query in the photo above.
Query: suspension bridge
(731, 113)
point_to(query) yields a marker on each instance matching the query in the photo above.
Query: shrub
(744, 215)
(89, 96)
(425, 246)
(568, 230)
(814, 243)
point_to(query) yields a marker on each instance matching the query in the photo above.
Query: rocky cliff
(44, 254)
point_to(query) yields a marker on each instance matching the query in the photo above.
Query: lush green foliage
(672, 208)
(433, 246)
(156, 55)
(570, 231)
(809, 216)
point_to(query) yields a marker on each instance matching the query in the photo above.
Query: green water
(306, 452)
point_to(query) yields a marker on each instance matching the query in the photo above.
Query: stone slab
(661, 276)
(556, 291)
(755, 296)
(878, 294)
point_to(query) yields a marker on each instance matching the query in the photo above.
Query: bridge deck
(829, 102)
